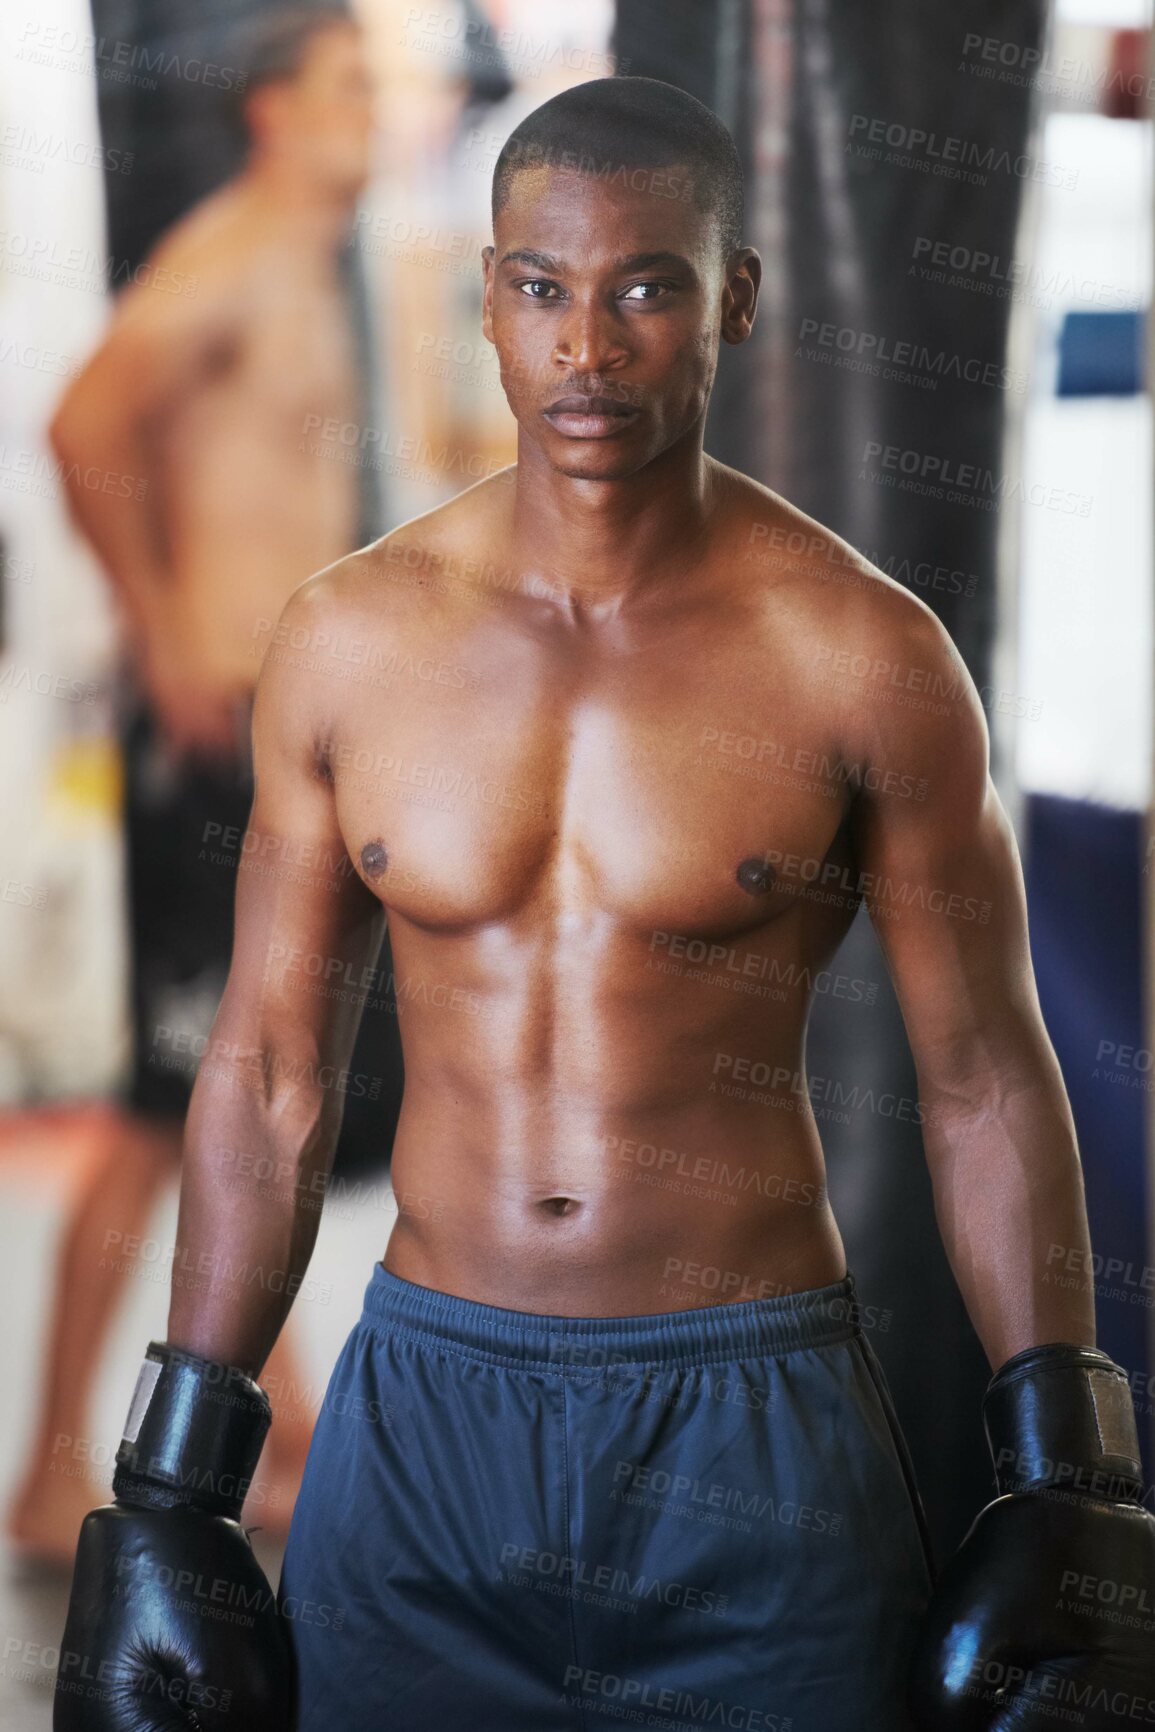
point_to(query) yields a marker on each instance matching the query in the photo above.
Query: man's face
(612, 291)
(323, 116)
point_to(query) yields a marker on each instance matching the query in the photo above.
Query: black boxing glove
(172, 1622)
(1044, 1615)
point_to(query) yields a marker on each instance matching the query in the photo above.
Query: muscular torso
(602, 977)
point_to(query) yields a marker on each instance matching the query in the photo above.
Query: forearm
(1008, 1190)
(257, 1158)
(110, 483)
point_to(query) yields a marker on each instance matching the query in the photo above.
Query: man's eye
(536, 283)
(651, 284)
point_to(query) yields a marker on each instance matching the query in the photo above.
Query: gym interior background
(949, 367)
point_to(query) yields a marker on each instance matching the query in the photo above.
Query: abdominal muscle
(629, 1213)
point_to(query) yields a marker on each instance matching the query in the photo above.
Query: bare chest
(287, 377)
(673, 791)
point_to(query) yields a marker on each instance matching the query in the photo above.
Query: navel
(374, 859)
(756, 876)
(559, 1205)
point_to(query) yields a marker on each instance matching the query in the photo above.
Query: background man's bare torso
(252, 496)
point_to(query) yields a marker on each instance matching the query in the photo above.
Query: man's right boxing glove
(172, 1623)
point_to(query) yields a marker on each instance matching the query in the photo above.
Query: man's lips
(589, 417)
(578, 405)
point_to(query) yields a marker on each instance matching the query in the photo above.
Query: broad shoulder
(877, 655)
(420, 571)
(203, 272)
(453, 555)
(780, 553)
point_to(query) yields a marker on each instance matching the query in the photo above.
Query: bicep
(304, 919)
(943, 883)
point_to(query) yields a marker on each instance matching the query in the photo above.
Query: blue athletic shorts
(522, 1523)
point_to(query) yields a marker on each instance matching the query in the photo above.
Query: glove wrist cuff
(1060, 1418)
(193, 1436)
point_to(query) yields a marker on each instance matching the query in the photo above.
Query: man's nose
(590, 338)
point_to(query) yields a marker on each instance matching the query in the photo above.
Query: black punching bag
(874, 148)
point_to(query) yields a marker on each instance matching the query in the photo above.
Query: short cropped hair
(270, 48)
(628, 122)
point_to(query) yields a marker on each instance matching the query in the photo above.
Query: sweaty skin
(629, 740)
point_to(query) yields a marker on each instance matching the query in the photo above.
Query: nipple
(374, 859)
(756, 876)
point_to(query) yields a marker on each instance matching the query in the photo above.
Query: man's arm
(266, 1107)
(942, 878)
(157, 348)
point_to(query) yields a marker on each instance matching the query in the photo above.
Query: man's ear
(487, 257)
(262, 110)
(740, 296)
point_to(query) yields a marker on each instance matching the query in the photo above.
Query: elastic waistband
(816, 1317)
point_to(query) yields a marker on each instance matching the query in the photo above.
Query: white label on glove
(1114, 1410)
(141, 1396)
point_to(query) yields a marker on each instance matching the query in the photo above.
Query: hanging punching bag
(874, 148)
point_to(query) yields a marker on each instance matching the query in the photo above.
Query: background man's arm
(266, 1107)
(943, 881)
(106, 428)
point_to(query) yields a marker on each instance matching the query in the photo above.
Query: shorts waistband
(816, 1317)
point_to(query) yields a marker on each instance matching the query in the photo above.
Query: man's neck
(598, 546)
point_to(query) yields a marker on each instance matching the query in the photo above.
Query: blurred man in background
(218, 369)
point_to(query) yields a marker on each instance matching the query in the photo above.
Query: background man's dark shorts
(184, 824)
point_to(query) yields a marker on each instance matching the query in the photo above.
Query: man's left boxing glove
(172, 1623)
(1044, 1617)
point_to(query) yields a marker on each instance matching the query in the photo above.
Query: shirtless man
(601, 1452)
(207, 392)
(216, 365)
